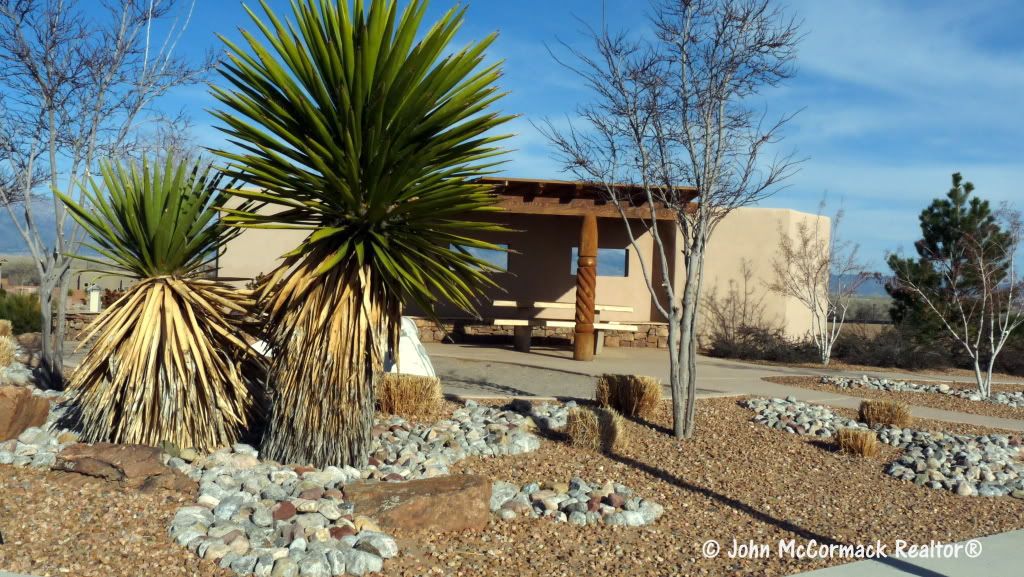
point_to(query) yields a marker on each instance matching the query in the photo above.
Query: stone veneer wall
(77, 323)
(648, 335)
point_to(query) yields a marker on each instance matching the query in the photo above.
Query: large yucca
(369, 133)
(169, 361)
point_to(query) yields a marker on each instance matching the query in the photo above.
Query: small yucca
(408, 395)
(170, 361)
(631, 395)
(596, 428)
(860, 442)
(891, 413)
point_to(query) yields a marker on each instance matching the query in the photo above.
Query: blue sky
(896, 97)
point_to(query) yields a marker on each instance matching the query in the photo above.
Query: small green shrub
(22, 310)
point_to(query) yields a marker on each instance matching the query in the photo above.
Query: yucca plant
(369, 134)
(170, 361)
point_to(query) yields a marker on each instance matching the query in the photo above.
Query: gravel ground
(57, 524)
(930, 374)
(736, 479)
(934, 400)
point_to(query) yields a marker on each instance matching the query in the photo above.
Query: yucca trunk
(329, 341)
(170, 363)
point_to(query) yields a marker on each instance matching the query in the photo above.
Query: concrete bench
(522, 330)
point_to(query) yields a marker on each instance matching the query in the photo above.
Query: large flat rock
(440, 504)
(135, 466)
(19, 410)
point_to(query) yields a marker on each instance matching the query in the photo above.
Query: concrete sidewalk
(486, 371)
(1001, 554)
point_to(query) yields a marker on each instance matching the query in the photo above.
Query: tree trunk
(53, 309)
(44, 374)
(674, 373)
(685, 398)
(327, 332)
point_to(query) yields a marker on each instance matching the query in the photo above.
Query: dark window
(610, 261)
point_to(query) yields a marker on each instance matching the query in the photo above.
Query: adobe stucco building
(537, 294)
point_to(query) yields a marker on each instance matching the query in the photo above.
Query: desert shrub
(891, 413)
(630, 395)
(6, 328)
(761, 344)
(8, 347)
(858, 442)
(893, 347)
(408, 395)
(22, 310)
(596, 428)
(109, 297)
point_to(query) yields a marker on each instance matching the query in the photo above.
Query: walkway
(1001, 554)
(487, 371)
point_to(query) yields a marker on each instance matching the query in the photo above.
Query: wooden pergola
(589, 202)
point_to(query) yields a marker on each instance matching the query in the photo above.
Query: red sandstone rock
(441, 504)
(19, 410)
(135, 466)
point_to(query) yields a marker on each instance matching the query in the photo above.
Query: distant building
(538, 284)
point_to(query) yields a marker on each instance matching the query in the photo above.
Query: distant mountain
(11, 241)
(874, 286)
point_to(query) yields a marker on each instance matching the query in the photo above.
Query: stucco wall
(752, 235)
(539, 263)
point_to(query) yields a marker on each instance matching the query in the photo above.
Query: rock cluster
(987, 465)
(402, 450)
(1012, 399)
(258, 517)
(283, 521)
(798, 417)
(575, 502)
(547, 416)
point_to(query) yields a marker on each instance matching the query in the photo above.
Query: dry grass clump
(892, 413)
(7, 350)
(6, 328)
(631, 395)
(596, 428)
(860, 442)
(408, 395)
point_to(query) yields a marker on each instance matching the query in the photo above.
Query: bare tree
(805, 270)
(75, 87)
(979, 299)
(673, 118)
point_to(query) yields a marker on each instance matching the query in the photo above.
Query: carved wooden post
(586, 288)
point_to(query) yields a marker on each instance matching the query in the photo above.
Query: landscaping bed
(736, 479)
(922, 399)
